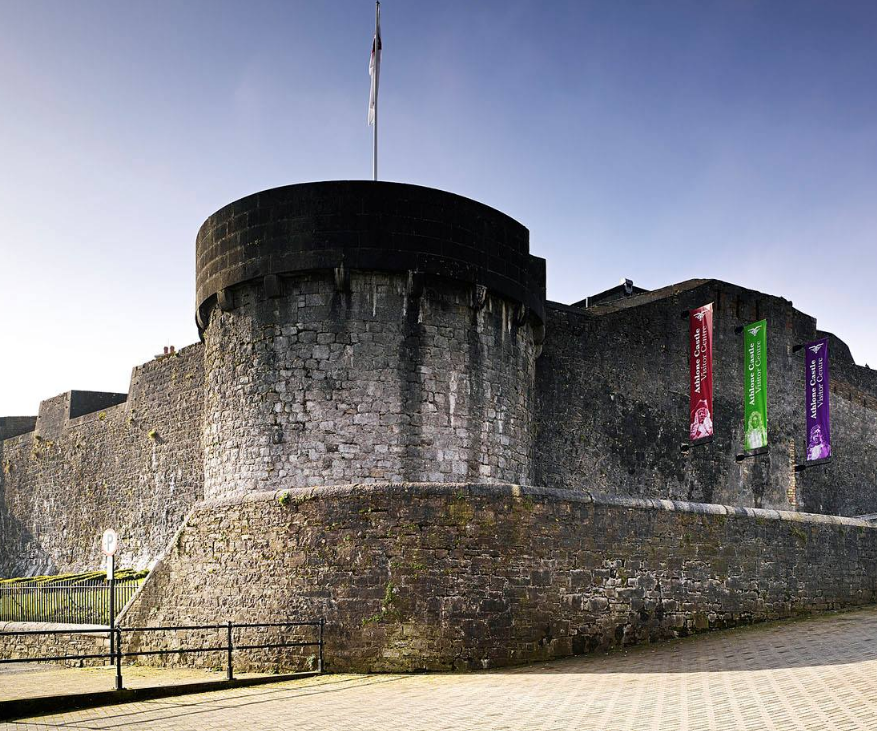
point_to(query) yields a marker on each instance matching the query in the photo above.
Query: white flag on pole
(374, 68)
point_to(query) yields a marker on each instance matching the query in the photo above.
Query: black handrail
(116, 654)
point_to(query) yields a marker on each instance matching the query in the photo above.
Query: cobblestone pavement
(814, 674)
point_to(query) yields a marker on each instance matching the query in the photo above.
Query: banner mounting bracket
(686, 446)
(813, 463)
(752, 453)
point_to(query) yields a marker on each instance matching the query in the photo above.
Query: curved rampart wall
(463, 576)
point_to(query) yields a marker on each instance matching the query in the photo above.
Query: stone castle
(387, 424)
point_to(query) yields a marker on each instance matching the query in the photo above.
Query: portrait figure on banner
(701, 421)
(817, 446)
(756, 432)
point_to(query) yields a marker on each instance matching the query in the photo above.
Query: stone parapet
(365, 225)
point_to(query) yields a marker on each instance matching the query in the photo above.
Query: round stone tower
(363, 331)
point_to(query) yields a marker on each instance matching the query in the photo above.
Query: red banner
(700, 358)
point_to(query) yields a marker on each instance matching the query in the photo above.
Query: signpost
(109, 544)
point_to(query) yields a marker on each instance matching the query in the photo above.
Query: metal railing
(71, 601)
(117, 654)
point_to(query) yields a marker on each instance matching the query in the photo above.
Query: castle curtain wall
(612, 406)
(136, 466)
(847, 485)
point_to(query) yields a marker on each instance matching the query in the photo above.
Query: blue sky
(652, 140)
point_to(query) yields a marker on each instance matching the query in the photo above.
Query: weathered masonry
(387, 424)
(359, 332)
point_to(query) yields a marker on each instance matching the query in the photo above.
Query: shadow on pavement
(828, 639)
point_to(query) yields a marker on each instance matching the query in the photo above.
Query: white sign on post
(109, 544)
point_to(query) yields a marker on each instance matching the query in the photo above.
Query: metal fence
(227, 647)
(71, 601)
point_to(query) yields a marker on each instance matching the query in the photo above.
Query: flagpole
(377, 77)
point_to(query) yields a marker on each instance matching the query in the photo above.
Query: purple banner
(816, 380)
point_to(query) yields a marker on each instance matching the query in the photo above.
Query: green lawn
(72, 598)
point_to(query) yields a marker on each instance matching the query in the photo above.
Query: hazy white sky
(656, 141)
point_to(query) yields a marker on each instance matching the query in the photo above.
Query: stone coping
(508, 490)
(87, 630)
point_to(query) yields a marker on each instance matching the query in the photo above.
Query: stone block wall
(80, 641)
(848, 484)
(612, 406)
(317, 386)
(467, 576)
(136, 466)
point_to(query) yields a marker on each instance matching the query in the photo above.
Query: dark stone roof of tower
(367, 225)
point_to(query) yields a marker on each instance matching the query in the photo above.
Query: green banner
(755, 385)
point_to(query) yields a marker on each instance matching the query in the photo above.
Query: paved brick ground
(814, 674)
(33, 680)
